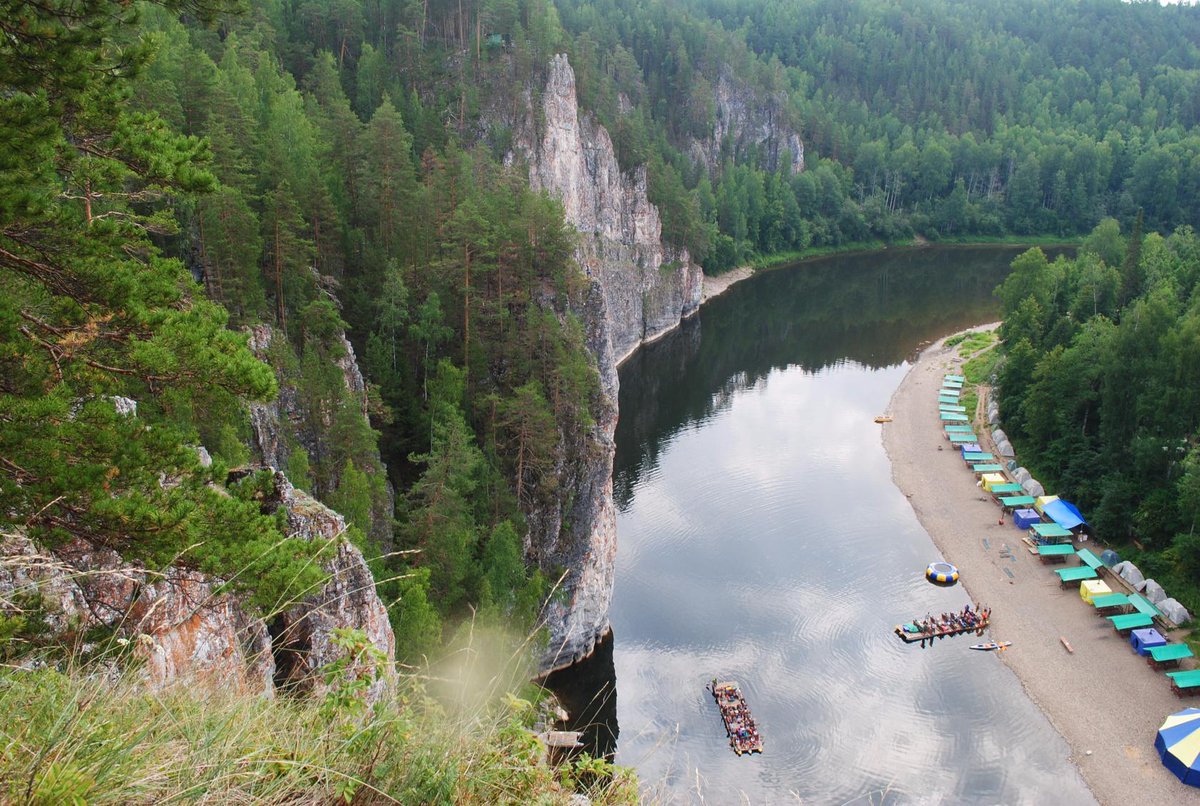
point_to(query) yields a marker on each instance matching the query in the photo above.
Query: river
(762, 540)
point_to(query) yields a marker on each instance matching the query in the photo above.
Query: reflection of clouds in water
(773, 548)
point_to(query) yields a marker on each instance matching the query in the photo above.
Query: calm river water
(762, 540)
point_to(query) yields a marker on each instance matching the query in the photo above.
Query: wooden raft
(739, 725)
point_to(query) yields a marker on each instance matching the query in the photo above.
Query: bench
(1183, 683)
(1077, 573)
(1162, 657)
(1091, 560)
(1142, 605)
(949, 377)
(1130, 621)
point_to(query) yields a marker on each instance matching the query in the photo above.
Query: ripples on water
(762, 540)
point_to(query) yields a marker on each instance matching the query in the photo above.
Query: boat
(968, 621)
(991, 646)
(739, 725)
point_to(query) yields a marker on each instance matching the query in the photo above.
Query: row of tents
(1049, 518)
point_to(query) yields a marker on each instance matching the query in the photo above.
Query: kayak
(992, 645)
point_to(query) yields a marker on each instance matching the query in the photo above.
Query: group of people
(739, 725)
(969, 618)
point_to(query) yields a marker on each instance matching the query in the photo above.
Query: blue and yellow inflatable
(943, 574)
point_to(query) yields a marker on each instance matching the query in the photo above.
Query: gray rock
(639, 289)
(745, 120)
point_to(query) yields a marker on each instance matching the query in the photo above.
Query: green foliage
(1102, 397)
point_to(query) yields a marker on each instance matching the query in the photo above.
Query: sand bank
(1104, 699)
(715, 286)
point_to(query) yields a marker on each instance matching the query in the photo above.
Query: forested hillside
(1100, 390)
(334, 165)
(926, 117)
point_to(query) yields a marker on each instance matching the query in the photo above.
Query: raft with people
(946, 625)
(739, 725)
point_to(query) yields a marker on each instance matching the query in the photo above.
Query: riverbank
(1104, 700)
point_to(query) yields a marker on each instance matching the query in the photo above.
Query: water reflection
(762, 540)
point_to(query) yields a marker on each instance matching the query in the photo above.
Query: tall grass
(87, 727)
(85, 736)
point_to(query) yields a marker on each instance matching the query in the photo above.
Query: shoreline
(1103, 699)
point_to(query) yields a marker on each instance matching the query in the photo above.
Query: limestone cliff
(639, 290)
(178, 624)
(748, 125)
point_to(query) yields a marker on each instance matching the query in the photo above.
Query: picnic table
(988, 468)
(1109, 600)
(1130, 621)
(1185, 682)
(1055, 553)
(1161, 657)
(1012, 501)
(1078, 573)
(953, 417)
(1006, 488)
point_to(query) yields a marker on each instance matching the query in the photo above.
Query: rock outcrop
(647, 286)
(289, 421)
(745, 122)
(181, 627)
(303, 636)
(639, 289)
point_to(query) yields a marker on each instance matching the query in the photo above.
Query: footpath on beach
(1100, 695)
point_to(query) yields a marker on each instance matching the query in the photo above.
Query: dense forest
(1100, 385)
(332, 166)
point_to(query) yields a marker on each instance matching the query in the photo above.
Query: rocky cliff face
(745, 122)
(639, 290)
(289, 421)
(182, 629)
(647, 286)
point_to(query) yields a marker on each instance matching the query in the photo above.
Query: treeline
(933, 117)
(1100, 390)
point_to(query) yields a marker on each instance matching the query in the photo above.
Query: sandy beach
(1103, 698)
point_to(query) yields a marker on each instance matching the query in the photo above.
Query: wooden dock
(739, 725)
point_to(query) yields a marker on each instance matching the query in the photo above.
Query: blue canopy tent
(1178, 744)
(1064, 513)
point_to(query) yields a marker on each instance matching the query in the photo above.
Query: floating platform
(739, 725)
(909, 637)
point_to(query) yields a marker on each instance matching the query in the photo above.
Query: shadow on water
(876, 310)
(588, 693)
